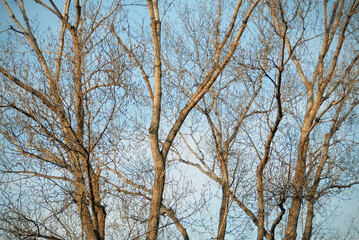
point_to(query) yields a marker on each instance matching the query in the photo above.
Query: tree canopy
(176, 119)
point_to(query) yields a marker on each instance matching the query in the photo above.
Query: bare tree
(274, 186)
(324, 92)
(263, 96)
(56, 89)
(221, 58)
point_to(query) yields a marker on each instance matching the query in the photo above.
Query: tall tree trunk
(294, 211)
(92, 222)
(309, 220)
(291, 230)
(159, 160)
(99, 208)
(222, 225)
(260, 193)
(85, 216)
(156, 200)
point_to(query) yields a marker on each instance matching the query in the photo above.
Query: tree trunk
(309, 221)
(294, 211)
(158, 158)
(222, 225)
(156, 200)
(291, 231)
(260, 205)
(85, 216)
(99, 208)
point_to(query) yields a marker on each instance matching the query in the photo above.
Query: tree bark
(291, 230)
(309, 220)
(159, 160)
(222, 225)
